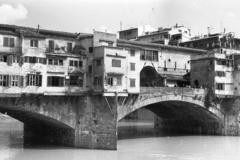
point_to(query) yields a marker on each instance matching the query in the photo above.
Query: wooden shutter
(20, 61)
(34, 59)
(31, 43)
(27, 80)
(49, 81)
(20, 81)
(39, 80)
(5, 41)
(61, 81)
(51, 45)
(7, 81)
(44, 60)
(9, 60)
(11, 42)
(36, 43)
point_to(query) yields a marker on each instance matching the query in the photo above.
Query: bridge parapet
(174, 90)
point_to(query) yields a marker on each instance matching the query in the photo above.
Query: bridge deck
(175, 90)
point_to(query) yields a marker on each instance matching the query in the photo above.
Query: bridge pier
(96, 125)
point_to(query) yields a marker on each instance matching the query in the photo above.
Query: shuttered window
(8, 42)
(116, 63)
(55, 81)
(33, 80)
(50, 46)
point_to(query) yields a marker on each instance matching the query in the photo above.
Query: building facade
(41, 62)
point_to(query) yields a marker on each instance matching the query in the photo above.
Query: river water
(137, 141)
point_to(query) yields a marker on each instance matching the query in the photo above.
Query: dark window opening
(98, 62)
(69, 47)
(51, 45)
(90, 49)
(55, 81)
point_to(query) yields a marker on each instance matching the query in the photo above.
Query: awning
(76, 72)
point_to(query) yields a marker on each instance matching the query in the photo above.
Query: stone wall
(77, 121)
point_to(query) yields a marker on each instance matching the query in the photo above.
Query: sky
(106, 15)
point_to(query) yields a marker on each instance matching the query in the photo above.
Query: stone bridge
(90, 120)
(172, 101)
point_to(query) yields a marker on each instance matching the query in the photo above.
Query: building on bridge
(72, 89)
(38, 61)
(216, 70)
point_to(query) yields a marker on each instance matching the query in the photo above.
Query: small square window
(132, 53)
(132, 82)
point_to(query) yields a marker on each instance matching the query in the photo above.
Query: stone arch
(149, 77)
(50, 119)
(195, 102)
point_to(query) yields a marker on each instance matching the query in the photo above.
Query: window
(14, 80)
(116, 63)
(132, 82)
(90, 49)
(98, 62)
(132, 66)
(42, 60)
(132, 53)
(220, 86)
(3, 58)
(110, 44)
(16, 59)
(71, 63)
(149, 55)
(75, 63)
(34, 80)
(69, 47)
(51, 45)
(3, 80)
(80, 63)
(129, 33)
(98, 81)
(220, 74)
(110, 81)
(119, 81)
(55, 62)
(60, 62)
(55, 81)
(89, 69)
(50, 61)
(73, 80)
(34, 43)
(8, 42)
(142, 55)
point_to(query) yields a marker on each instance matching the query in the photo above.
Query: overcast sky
(101, 15)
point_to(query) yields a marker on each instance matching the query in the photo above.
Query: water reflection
(137, 140)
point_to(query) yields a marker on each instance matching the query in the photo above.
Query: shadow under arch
(149, 77)
(187, 106)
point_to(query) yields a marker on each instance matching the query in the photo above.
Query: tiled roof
(147, 44)
(33, 32)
